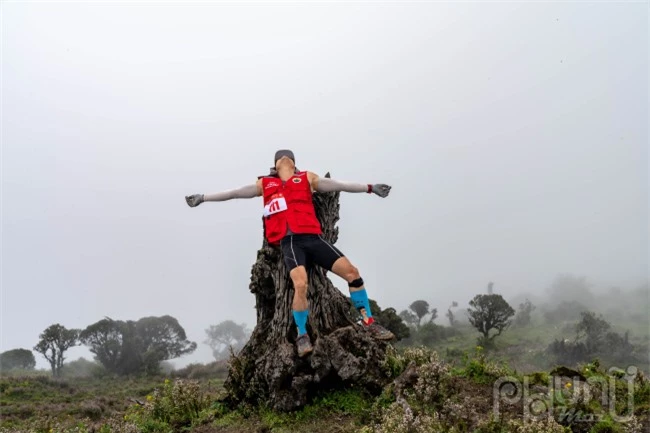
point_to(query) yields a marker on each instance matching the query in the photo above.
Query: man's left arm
(326, 184)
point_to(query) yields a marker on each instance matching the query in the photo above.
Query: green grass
(343, 410)
(23, 399)
(102, 405)
(351, 403)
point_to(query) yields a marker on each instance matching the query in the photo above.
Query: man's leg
(300, 307)
(331, 258)
(346, 270)
(295, 260)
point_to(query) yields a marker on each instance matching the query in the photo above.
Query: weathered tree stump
(268, 370)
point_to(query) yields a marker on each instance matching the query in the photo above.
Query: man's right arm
(248, 191)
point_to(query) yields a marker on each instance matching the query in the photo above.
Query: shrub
(482, 370)
(395, 362)
(548, 425)
(593, 339)
(431, 333)
(91, 410)
(432, 380)
(83, 368)
(216, 369)
(398, 419)
(175, 404)
(606, 426)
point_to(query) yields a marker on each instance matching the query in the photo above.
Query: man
(290, 222)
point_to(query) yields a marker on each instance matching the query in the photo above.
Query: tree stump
(268, 370)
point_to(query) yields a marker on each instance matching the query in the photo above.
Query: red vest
(291, 204)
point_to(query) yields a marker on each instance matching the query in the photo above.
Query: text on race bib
(277, 204)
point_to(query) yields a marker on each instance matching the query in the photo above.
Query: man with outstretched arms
(290, 222)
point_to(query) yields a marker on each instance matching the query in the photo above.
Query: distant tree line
(139, 347)
(133, 347)
(121, 347)
(489, 313)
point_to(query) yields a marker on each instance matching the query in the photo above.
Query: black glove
(194, 200)
(381, 189)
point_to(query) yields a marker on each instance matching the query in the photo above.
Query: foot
(378, 332)
(304, 345)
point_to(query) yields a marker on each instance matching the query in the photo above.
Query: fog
(514, 136)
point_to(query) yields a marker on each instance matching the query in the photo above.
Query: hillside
(428, 394)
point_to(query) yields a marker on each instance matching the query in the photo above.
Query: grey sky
(515, 137)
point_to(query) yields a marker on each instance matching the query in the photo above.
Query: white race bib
(277, 204)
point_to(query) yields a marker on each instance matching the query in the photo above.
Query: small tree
(82, 367)
(450, 314)
(225, 336)
(592, 329)
(160, 339)
(106, 339)
(127, 347)
(409, 318)
(433, 315)
(490, 312)
(22, 359)
(523, 316)
(54, 342)
(420, 308)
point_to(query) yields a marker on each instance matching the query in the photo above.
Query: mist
(514, 136)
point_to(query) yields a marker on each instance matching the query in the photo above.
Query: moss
(540, 378)
(606, 425)
(349, 401)
(228, 419)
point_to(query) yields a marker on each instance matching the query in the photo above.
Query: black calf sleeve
(356, 283)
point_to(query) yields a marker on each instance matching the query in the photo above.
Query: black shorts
(308, 249)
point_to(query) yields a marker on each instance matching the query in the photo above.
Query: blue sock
(360, 300)
(301, 321)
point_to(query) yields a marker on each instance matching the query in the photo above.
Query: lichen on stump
(268, 370)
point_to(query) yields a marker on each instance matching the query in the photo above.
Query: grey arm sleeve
(326, 184)
(248, 191)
